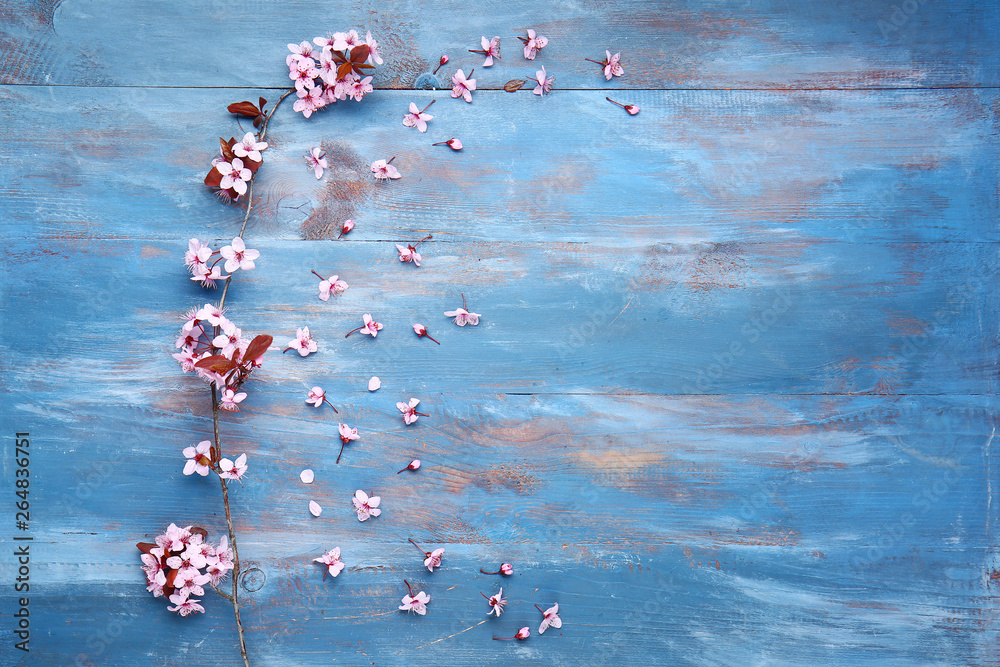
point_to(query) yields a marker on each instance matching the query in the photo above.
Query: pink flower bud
(507, 569)
(444, 61)
(414, 465)
(523, 633)
(347, 226)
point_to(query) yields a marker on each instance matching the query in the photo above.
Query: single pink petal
(307, 476)
(314, 508)
(374, 384)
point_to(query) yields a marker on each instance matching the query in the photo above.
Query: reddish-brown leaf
(514, 85)
(344, 69)
(258, 346)
(359, 54)
(244, 108)
(217, 364)
(227, 149)
(214, 178)
(262, 103)
(198, 530)
(258, 121)
(145, 547)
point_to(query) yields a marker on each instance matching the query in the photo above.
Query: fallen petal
(314, 508)
(374, 384)
(307, 476)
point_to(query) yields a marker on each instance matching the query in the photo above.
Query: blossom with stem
(409, 411)
(453, 143)
(230, 398)
(249, 147)
(331, 560)
(369, 328)
(346, 435)
(491, 49)
(462, 86)
(409, 253)
(234, 176)
(417, 118)
(463, 316)
(414, 465)
(611, 64)
(346, 227)
(497, 602)
(533, 43)
(520, 635)
(303, 343)
(550, 617)
(432, 559)
(237, 256)
(442, 63)
(332, 285)
(631, 108)
(317, 397)
(505, 569)
(316, 159)
(421, 332)
(416, 603)
(383, 170)
(544, 83)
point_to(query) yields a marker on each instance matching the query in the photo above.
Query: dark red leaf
(145, 547)
(244, 108)
(258, 121)
(359, 54)
(262, 103)
(214, 178)
(217, 364)
(227, 149)
(198, 530)
(258, 346)
(344, 69)
(514, 85)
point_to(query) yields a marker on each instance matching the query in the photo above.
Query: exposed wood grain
(700, 44)
(692, 167)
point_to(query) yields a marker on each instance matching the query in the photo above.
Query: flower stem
(428, 106)
(232, 532)
(426, 555)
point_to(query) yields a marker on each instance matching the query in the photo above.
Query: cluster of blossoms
(334, 72)
(233, 168)
(181, 562)
(205, 270)
(212, 346)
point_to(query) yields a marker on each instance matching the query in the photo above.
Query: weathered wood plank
(656, 318)
(692, 167)
(700, 44)
(625, 510)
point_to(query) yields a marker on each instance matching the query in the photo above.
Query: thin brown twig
(234, 598)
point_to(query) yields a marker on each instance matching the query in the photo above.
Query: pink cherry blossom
(311, 97)
(544, 83)
(229, 339)
(238, 256)
(303, 343)
(417, 603)
(314, 508)
(506, 569)
(497, 602)
(432, 559)
(631, 108)
(331, 559)
(414, 465)
(520, 635)
(307, 476)
(346, 227)
(369, 328)
(316, 396)
(421, 332)
(409, 411)
(461, 86)
(491, 49)
(383, 171)
(373, 54)
(453, 143)
(249, 147)
(230, 399)
(374, 383)
(417, 118)
(463, 316)
(197, 256)
(233, 470)
(441, 63)
(533, 44)
(185, 605)
(408, 254)
(346, 435)
(301, 50)
(316, 159)
(234, 176)
(550, 618)
(332, 285)
(366, 506)
(613, 66)
(199, 458)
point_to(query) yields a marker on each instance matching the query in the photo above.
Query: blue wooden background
(731, 400)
